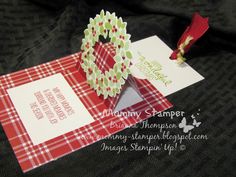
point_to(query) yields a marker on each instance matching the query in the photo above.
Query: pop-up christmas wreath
(109, 26)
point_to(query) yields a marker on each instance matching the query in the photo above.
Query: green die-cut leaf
(125, 74)
(102, 29)
(118, 58)
(119, 23)
(114, 91)
(109, 93)
(122, 81)
(129, 54)
(121, 44)
(117, 67)
(98, 92)
(105, 94)
(108, 26)
(108, 14)
(128, 70)
(90, 82)
(118, 75)
(100, 83)
(85, 63)
(91, 21)
(86, 32)
(126, 47)
(102, 13)
(113, 40)
(124, 25)
(93, 41)
(117, 90)
(105, 81)
(95, 20)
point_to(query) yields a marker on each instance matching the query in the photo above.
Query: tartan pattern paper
(31, 156)
(104, 56)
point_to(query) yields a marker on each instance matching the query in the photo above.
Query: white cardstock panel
(61, 113)
(155, 50)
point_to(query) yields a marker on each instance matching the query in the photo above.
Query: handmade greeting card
(53, 109)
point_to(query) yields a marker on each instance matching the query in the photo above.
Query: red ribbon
(197, 28)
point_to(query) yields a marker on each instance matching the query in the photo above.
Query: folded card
(53, 109)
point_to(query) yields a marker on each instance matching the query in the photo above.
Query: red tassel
(197, 28)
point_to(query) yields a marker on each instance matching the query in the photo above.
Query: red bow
(197, 28)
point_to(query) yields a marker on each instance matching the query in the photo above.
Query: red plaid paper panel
(31, 156)
(104, 56)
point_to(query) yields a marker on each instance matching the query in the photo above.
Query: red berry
(90, 71)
